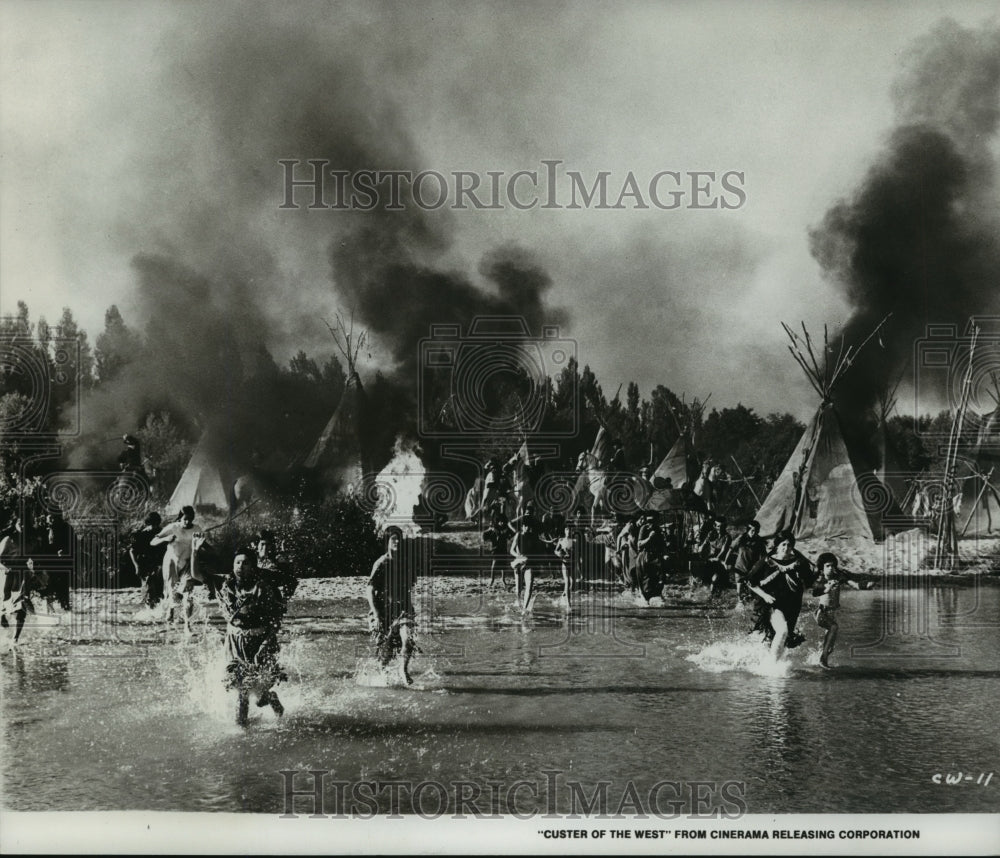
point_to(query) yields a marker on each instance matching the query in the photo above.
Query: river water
(609, 701)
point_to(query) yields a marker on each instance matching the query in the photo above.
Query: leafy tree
(116, 347)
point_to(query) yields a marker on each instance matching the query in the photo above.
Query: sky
(153, 129)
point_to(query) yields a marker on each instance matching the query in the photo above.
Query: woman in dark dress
(779, 580)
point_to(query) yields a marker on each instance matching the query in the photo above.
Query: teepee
(680, 464)
(978, 512)
(338, 454)
(817, 493)
(205, 484)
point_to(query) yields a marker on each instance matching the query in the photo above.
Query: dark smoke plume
(225, 278)
(920, 238)
(400, 299)
(195, 357)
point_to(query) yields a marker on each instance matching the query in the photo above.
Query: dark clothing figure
(130, 460)
(652, 547)
(496, 539)
(527, 536)
(712, 550)
(746, 552)
(785, 581)
(497, 536)
(391, 617)
(148, 562)
(54, 538)
(19, 580)
(253, 608)
(280, 573)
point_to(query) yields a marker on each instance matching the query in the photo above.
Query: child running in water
(827, 588)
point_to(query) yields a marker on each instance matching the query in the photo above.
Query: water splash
(748, 653)
(371, 674)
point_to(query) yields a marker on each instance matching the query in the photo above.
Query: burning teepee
(338, 455)
(817, 493)
(399, 490)
(206, 484)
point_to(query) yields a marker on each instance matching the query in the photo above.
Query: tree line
(276, 412)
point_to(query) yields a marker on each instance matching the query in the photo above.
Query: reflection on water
(677, 691)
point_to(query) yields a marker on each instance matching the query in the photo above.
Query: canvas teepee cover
(816, 495)
(979, 511)
(679, 465)
(337, 452)
(204, 483)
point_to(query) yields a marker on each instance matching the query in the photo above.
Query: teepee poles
(947, 542)
(347, 344)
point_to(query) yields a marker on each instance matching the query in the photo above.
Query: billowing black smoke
(225, 276)
(920, 238)
(195, 357)
(400, 300)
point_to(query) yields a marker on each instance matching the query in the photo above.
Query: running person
(746, 551)
(827, 589)
(651, 548)
(779, 580)
(148, 560)
(276, 566)
(177, 578)
(253, 608)
(19, 579)
(497, 537)
(565, 548)
(527, 550)
(391, 618)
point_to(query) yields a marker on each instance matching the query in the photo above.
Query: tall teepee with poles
(816, 494)
(977, 466)
(338, 455)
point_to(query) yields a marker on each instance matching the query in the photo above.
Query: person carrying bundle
(254, 608)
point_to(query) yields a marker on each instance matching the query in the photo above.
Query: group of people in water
(644, 552)
(651, 549)
(252, 591)
(34, 563)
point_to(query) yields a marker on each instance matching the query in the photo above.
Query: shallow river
(648, 701)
